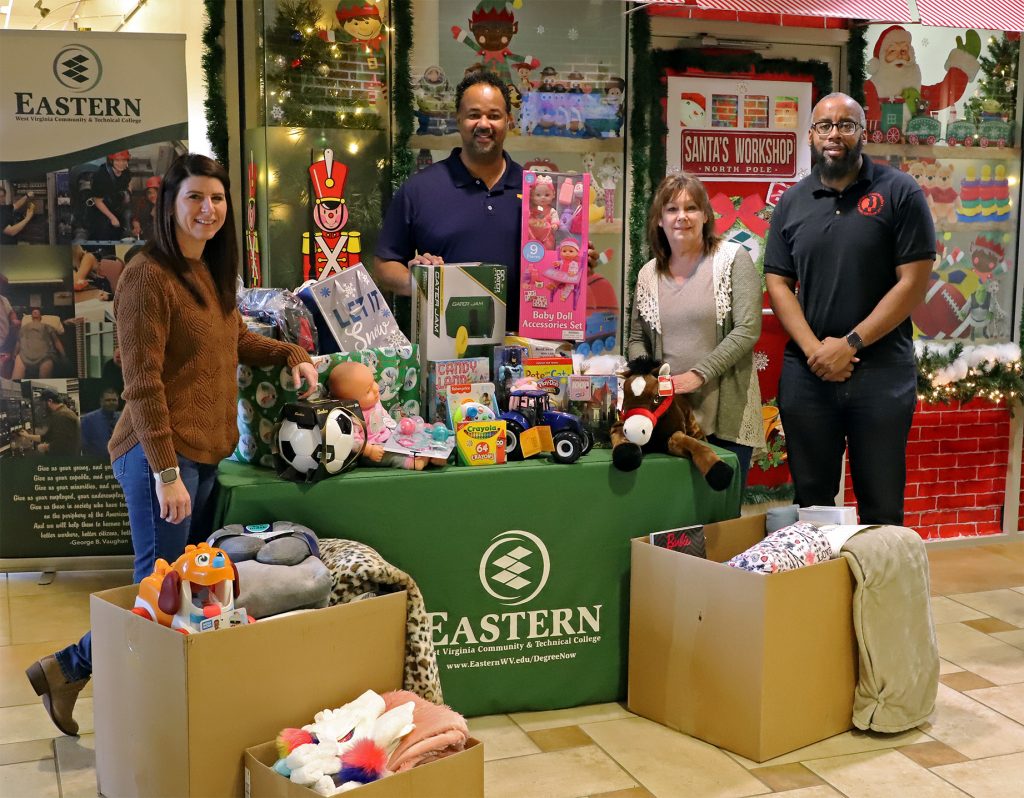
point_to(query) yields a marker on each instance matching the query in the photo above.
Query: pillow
(262, 392)
(785, 550)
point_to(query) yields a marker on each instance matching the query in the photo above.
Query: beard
(837, 168)
(890, 80)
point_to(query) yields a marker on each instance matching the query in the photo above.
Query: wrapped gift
(350, 313)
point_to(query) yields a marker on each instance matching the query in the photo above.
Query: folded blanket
(440, 731)
(357, 571)
(899, 658)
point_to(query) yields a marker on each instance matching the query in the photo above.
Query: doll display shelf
(524, 567)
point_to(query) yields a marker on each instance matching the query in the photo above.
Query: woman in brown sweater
(181, 340)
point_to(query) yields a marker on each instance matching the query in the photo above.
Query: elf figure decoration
(895, 73)
(329, 251)
(491, 28)
(361, 20)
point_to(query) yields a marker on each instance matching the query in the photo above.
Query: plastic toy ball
(407, 426)
(440, 433)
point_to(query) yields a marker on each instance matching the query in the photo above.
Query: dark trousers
(870, 415)
(743, 453)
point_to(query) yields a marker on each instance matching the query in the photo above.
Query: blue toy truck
(532, 408)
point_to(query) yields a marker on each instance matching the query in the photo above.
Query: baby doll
(354, 381)
(543, 220)
(566, 270)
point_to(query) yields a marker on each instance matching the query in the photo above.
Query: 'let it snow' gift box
(350, 312)
(553, 259)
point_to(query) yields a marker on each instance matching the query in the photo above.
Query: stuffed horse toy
(655, 419)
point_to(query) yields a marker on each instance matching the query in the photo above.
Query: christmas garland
(856, 50)
(215, 105)
(954, 372)
(402, 163)
(639, 133)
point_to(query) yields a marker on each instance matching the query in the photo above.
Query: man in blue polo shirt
(858, 239)
(464, 208)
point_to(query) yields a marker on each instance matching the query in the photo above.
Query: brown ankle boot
(59, 695)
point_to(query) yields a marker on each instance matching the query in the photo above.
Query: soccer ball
(300, 446)
(344, 438)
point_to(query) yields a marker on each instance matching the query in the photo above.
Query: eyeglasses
(846, 127)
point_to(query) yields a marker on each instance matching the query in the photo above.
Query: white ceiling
(101, 15)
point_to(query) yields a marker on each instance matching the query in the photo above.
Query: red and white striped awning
(1005, 15)
(878, 10)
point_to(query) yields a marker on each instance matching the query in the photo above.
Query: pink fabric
(440, 731)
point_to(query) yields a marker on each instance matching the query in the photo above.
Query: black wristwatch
(854, 340)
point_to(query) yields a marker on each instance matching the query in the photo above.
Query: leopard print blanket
(357, 571)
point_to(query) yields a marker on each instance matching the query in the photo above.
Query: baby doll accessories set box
(174, 713)
(758, 664)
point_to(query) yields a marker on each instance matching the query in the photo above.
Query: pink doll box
(553, 258)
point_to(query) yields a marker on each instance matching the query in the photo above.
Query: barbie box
(553, 281)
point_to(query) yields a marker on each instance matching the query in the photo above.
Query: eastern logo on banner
(78, 68)
(515, 567)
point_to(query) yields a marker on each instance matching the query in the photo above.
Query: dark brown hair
(220, 253)
(670, 188)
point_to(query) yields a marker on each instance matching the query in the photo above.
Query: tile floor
(972, 745)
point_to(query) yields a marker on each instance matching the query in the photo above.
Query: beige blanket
(899, 658)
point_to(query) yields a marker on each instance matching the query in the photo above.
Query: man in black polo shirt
(858, 239)
(464, 208)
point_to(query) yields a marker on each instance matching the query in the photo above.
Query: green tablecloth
(524, 567)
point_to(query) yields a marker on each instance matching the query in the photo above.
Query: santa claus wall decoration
(896, 75)
(328, 250)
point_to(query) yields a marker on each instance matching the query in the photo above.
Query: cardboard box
(758, 664)
(460, 775)
(175, 713)
(458, 310)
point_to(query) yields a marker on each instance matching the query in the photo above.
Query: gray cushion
(779, 517)
(266, 590)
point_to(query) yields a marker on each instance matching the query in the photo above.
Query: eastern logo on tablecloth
(515, 567)
(78, 68)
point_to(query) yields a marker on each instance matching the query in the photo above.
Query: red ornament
(297, 63)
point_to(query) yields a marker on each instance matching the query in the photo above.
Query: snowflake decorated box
(350, 312)
(458, 310)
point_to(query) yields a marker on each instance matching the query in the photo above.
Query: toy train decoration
(923, 128)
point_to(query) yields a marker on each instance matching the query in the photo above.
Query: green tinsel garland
(856, 50)
(762, 494)
(403, 160)
(639, 133)
(996, 382)
(213, 70)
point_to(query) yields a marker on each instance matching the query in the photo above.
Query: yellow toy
(195, 594)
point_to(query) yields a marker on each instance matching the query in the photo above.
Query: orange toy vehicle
(195, 594)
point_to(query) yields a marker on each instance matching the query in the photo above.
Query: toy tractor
(528, 408)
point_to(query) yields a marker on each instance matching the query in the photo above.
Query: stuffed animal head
(203, 583)
(647, 396)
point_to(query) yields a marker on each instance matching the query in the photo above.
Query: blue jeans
(152, 537)
(870, 415)
(743, 453)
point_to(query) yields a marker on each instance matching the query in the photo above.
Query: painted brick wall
(956, 469)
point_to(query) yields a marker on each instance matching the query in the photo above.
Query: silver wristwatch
(167, 476)
(854, 340)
